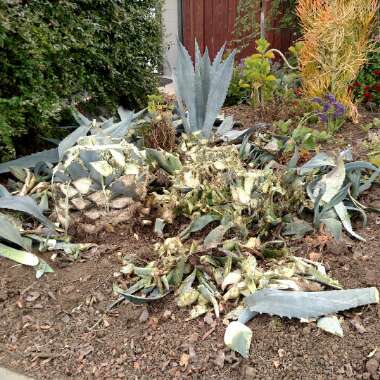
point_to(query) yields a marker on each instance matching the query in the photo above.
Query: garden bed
(47, 326)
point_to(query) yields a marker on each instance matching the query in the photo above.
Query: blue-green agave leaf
(31, 160)
(217, 93)
(318, 161)
(10, 232)
(70, 140)
(27, 205)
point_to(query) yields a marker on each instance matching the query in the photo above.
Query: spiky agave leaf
(11, 233)
(21, 257)
(27, 205)
(201, 89)
(307, 305)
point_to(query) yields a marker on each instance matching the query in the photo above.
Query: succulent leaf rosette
(99, 172)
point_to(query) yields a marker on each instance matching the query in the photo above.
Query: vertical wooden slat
(209, 25)
(185, 22)
(199, 25)
(212, 22)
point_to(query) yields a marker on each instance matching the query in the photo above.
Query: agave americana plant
(106, 127)
(334, 192)
(202, 89)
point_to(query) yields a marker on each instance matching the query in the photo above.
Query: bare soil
(46, 326)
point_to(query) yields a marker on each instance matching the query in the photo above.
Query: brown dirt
(50, 337)
(46, 325)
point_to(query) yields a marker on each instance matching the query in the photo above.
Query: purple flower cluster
(331, 110)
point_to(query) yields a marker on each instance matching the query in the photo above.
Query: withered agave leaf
(226, 126)
(31, 160)
(333, 181)
(333, 226)
(80, 118)
(198, 224)
(187, 298)
(179, 271)
(232, 279)
(21, 257)
(102, 167)
(4, 192)
(297, 227)
(238, 338)
(159, 226)
(342, 212)
(42, 267)
(19, 173)
(331, 325)
(137, 300)
(215, 237)
(209, 296)
(307, 305)
(70, 140)
(187, 283)
(165, 160)
(198, 310)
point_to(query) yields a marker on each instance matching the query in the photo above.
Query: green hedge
(53, 52)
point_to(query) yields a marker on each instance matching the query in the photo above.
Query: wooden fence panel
(211, 23)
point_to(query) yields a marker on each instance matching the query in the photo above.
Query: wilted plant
(336, 36)
(331, 112)
(203, 89)
(158, 130)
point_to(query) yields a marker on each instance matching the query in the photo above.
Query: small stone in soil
(144, 316)
(249, 372)
(356, 322)
(219, 360)
(372, 365)
(167, 314)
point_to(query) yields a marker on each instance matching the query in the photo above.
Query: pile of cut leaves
(241, 205)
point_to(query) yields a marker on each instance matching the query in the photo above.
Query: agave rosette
(99, 172)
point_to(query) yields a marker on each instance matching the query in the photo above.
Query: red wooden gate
(211, 23)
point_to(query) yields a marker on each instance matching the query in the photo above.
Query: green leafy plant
(257, 74)
(302, 136)
(374, 124)
(55, 54)
(366, 88)
(236, 93)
